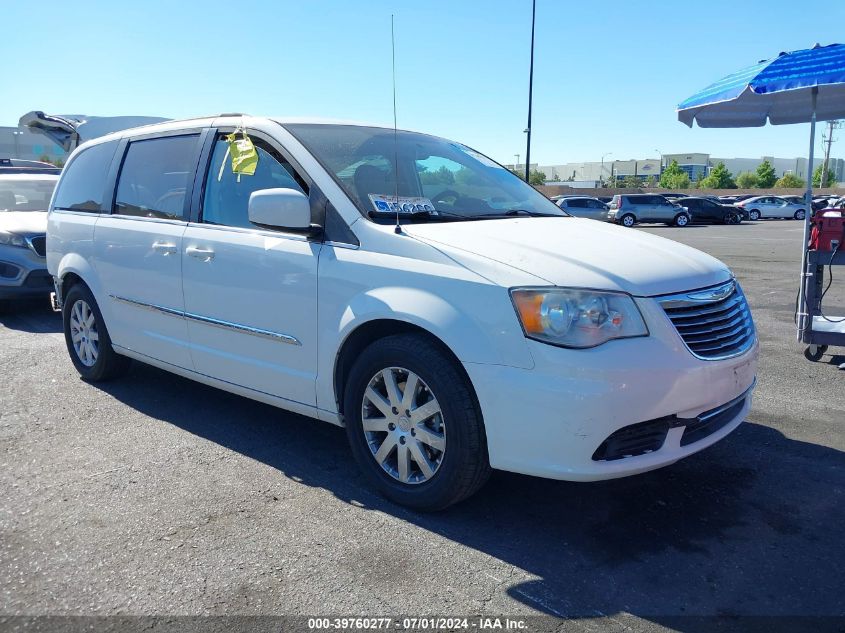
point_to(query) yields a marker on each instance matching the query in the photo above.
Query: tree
(651, 181)
(673, 177)
(536, 178)
(698, 181)
(719, 178)
(746, 180)
(817, 177)
(789, 181)
(766, 175)
(631, 182)
(442, 176)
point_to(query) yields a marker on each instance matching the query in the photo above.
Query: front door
(137, 249)
(251, 293)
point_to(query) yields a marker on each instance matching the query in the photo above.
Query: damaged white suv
(404, 286)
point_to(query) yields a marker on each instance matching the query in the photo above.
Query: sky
(607, 75)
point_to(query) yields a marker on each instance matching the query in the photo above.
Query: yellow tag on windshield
(244, 155)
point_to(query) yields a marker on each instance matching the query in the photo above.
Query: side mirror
(281, 209)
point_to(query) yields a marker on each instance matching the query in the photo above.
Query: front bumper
(551, 420)
(23, 274)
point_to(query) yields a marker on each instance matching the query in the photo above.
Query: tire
(733, 218)
(94, 358)
(800, 214)
(814, 353)
(455, 472)
(754, 215)
(682, 219)
(627, 220)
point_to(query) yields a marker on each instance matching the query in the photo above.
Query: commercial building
(21, 142)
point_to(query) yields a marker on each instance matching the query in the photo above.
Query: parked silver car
(762, 207)
(629, 209)
(585, 207)
(23, 227)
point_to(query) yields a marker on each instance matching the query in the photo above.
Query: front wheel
(627, 220)
(754, 214)
(733, 218)
(681, 219)
(800, 214)
(814, 353)
(413, 423)
(87, 338)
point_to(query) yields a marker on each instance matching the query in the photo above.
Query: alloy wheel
(403, 425)
(83, 333)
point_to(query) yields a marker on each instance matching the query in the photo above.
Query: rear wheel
(682, 219)
(627, 220)
(754, 214)
(413, 424)
(87, 338)
(800, 214)
(733, 218)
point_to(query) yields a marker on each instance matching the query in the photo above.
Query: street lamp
(530, 88)
(15, 135)
(601, 169)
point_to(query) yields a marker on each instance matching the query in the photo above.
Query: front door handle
(165, 248)
(205, 254)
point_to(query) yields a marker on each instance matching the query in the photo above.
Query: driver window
(154, 177)
(226, 196)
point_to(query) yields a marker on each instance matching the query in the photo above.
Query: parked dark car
(706, 210)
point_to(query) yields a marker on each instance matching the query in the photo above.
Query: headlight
(11, 239)
(570, 317)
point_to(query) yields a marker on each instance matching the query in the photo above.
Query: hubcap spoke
(391, 387)
(435, 441)
(402, 459)
(424, 412)
(375, 424)
(422, 461)
(378, 401)
(385, 449)
(410, 391)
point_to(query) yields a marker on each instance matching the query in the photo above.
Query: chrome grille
(38, 244)
(714, 323)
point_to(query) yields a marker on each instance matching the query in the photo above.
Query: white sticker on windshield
(481, 158)
(402, 204)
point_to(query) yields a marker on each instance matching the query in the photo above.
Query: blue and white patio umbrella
(798, 87)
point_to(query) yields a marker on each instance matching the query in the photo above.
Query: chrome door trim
(229, 325)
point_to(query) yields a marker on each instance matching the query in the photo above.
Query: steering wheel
(445, 194)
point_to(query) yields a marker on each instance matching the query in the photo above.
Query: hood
(579, 252)
(24, 223)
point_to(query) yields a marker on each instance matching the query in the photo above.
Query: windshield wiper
(533, 214)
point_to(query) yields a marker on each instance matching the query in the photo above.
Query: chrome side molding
(199, 318)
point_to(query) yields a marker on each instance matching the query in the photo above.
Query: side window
(576, 204)
(227, 194)
(83, 183)
(155, 175)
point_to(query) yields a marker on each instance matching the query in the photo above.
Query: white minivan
(403, 286)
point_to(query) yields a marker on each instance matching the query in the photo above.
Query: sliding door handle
(165, 248)
(205, 254)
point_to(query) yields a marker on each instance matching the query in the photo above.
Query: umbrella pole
(803, 314)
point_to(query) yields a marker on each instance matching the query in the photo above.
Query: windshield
(25, 194)
(437, 179)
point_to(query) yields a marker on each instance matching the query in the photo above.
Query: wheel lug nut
(395, 411)
(413, 432)
(402, 440)
(391, 426)
(407, 413)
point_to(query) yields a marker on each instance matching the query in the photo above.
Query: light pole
(530, 88)
(601, 169)
(516, 165)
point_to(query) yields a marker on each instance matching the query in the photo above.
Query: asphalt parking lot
(156, 495)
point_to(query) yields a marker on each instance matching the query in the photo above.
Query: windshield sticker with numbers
(402, 204)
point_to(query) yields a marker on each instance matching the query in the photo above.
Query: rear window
(154, 177)
(83, 183)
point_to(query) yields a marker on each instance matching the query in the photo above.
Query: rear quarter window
(82, 186)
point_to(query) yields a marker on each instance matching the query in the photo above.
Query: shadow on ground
(30, 315)
(751, 526)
